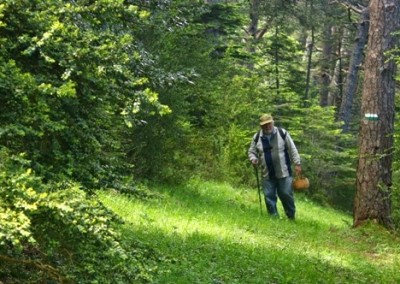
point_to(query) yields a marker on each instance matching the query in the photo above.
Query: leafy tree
(71, 80)
(190, 49)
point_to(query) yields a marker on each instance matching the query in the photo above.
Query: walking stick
(258, 186)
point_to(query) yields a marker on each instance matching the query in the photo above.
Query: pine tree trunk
(334, 95)
(310, 47)
(374, 172)
(326, 66)
(333, 85)
(352, 76)
(254, 15)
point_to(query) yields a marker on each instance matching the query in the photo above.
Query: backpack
(283, 135)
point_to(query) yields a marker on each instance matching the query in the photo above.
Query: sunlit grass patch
(213, 233)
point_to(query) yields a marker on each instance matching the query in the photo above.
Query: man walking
(273, 149)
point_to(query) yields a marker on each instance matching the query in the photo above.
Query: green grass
(212, 233)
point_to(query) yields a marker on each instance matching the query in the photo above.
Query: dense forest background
(122, 94)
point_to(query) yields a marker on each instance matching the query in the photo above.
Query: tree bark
(333, 85)
(277, 61)
(326, 66)
(254, 16)
(374, 172)
(352, 76)
(310, 47)
(334, 95)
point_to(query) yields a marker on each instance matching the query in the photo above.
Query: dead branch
(358, 8)
(48, 269)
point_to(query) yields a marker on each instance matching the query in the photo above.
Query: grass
(212, 233)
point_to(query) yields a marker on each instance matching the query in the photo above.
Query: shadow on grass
(201, 258)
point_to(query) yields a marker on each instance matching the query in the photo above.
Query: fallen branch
(48, 269)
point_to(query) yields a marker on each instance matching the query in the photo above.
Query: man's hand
(297, 169)
(254, 162)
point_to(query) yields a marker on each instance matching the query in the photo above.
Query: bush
(57, 231)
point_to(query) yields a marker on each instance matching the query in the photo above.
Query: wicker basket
(301, 183)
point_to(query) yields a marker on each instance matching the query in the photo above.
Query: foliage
(234, 165)
(70, 83)
(58, 232)
(179, 144)
(328, 157)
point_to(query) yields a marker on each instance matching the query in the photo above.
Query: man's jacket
(274, 154)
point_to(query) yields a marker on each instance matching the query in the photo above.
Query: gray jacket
(274, 154)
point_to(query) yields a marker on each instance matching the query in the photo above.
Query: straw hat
(266, 118)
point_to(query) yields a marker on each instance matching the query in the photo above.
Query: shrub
(59, 232)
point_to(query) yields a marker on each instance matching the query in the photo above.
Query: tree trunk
(277, 61)
(352, 76)
(310, 47)
(333, 85)
(334, 95)
(325, 77)
(374, 172)
(254, 15)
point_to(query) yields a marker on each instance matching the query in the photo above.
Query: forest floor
(207, 232)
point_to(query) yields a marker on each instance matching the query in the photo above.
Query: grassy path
(212, 233)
